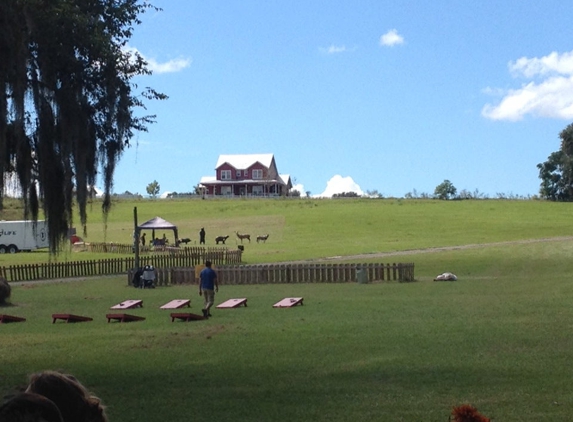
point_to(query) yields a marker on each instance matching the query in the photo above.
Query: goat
(243, 236)
(221, 239)
(262, 238)
(184, 240)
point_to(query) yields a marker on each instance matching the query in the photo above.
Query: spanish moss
(67, 103)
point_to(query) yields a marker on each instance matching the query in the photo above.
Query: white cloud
(339, 184)
(553, 63)
(170, 66)
(551, 95)
(336, 49)
(391, 38)
(299, 187)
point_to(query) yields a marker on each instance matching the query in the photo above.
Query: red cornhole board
(123, 317)
(233, 303)
(5, 319)
(128, 304)
(288, 302)
(176, 304)
(70, 318)
(186, 316)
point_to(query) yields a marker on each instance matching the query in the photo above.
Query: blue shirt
(208, 277)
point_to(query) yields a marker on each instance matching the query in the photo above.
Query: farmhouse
(246, 175)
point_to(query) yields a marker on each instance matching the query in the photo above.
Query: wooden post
(135, 238)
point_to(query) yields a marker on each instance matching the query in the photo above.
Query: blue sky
(356, 95)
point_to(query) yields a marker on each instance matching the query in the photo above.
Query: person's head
(208, 264)
(29, 407)
(75, 402)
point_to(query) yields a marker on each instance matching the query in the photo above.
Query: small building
(246, 175)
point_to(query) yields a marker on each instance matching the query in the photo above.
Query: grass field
(308, 229)
(499, 338)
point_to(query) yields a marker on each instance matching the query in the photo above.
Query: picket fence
(288, 273)
(185, 257)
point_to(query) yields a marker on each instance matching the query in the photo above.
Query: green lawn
(499, 338)
(312, 228)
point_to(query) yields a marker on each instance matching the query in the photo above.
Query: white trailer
(16, 236)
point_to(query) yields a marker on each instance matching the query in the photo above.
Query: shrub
(5, 290)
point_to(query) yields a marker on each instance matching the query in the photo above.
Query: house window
(246, 173)
(225, 174)
(226, 190)
(257, 190)
(257, 174)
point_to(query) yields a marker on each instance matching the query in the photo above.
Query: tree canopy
(445, 190)
(556, 173)
(153, 189)
(67, 101)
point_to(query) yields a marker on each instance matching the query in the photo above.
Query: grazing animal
(184, 240)
(262, 238)
(221, 239)
(243, 236)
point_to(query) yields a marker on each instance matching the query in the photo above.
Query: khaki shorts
(209, 298)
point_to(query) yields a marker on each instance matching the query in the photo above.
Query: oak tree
(556, 173)
(67, 101)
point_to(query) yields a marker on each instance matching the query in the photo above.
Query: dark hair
(74, 400)
(207, 263)
(28, 407)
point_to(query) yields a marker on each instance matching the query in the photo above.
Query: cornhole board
(128, 304)
(123, 317)
(233, 303)
(186, 316)
(5, 319)
(176, 304)
(70, 318)
(288, 302)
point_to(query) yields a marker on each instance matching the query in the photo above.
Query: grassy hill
(499, 338)
(312, 228)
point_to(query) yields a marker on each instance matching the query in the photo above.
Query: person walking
(207, 287)
(143, 239)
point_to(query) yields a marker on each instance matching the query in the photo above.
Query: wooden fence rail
(288, 273)
(126, 249)
(183, 257)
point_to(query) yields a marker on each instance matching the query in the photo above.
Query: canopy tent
(157, 223)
